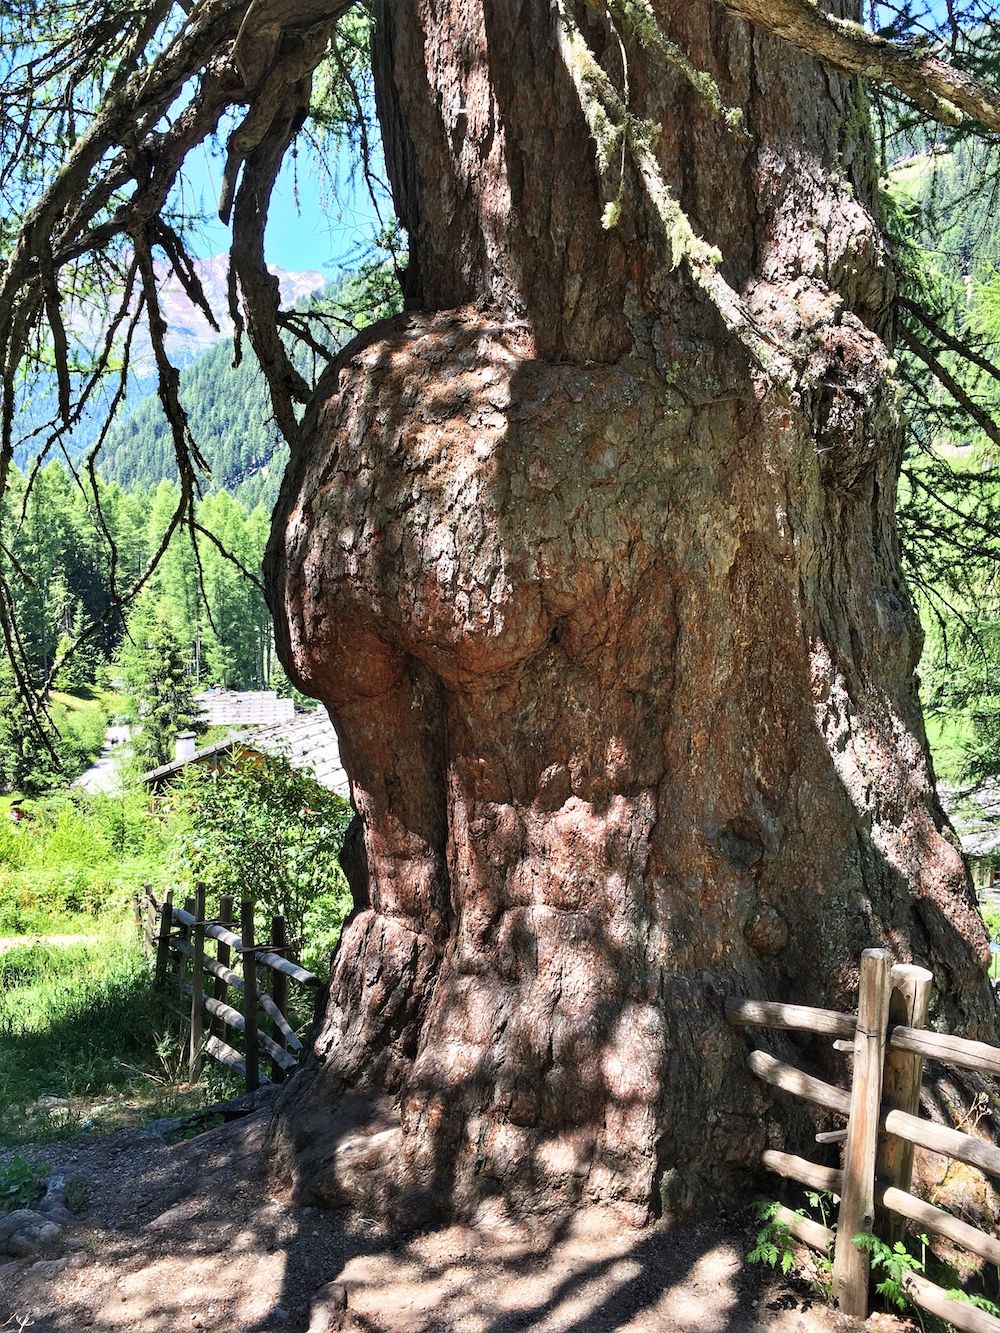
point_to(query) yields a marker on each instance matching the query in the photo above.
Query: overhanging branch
(939, 88)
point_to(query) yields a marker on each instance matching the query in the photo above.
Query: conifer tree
(591, 554)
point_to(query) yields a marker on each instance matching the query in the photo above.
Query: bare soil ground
(193, 1236)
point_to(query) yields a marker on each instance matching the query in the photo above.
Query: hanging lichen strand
(611, 126)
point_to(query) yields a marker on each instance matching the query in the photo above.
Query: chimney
(184, 747)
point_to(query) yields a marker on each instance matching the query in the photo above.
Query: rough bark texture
(614, 634)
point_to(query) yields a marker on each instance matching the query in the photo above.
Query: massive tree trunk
(612, 628)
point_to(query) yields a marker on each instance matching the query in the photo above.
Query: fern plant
(980, 1302)
(773, 1242)
(895, 1262)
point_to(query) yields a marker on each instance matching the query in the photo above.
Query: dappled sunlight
(193, 1236)
(595, 1276)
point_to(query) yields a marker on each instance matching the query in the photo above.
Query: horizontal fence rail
(240, 993)
(888, 1047)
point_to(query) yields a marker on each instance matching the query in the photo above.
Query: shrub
(263, 830)
(77, 854)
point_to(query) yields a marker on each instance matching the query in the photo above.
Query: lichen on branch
(611, 124)
(637, 17)
(941, 89)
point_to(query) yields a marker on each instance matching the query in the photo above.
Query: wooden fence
(889, 1044)
(254, 976)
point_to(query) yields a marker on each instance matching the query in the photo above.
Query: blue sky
(313, 223)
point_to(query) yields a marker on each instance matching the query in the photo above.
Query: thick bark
(614, 633)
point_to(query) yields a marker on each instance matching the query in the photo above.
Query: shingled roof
(308, 741)
(243, 708)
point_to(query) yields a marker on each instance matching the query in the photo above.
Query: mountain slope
(188, 331)
(189, 336)
(229, 411)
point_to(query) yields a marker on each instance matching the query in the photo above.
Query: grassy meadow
(86, 1043)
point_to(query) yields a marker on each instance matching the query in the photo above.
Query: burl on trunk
(613, 629)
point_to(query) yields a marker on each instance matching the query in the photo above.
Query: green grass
(86, 1043)
(82, 699)
(75, 858)
(949, 736)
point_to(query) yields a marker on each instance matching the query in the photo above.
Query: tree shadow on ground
(194, 1236)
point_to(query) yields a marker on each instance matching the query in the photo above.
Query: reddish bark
(614, 634)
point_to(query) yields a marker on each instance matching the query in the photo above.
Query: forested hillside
(947, 226)
(228, 405)
(203, 605)
(189, 336)
(231, 416)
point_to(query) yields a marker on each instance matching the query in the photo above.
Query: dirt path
(191, 1236)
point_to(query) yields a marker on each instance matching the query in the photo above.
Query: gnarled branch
(941, 89)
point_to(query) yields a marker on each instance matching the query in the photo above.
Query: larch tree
(591, 554)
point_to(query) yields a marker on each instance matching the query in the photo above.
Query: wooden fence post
(250, 994)
(183, 933)
(279, 993)
(163, 939)
(197, 987)
(908, 1004)
(223, 954)
(857, 1204)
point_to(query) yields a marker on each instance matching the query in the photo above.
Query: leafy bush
(991, 916)
(263, 830)
(21, 1184)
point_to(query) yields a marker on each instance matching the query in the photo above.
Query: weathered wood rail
(176, 937)
(889, 1045)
